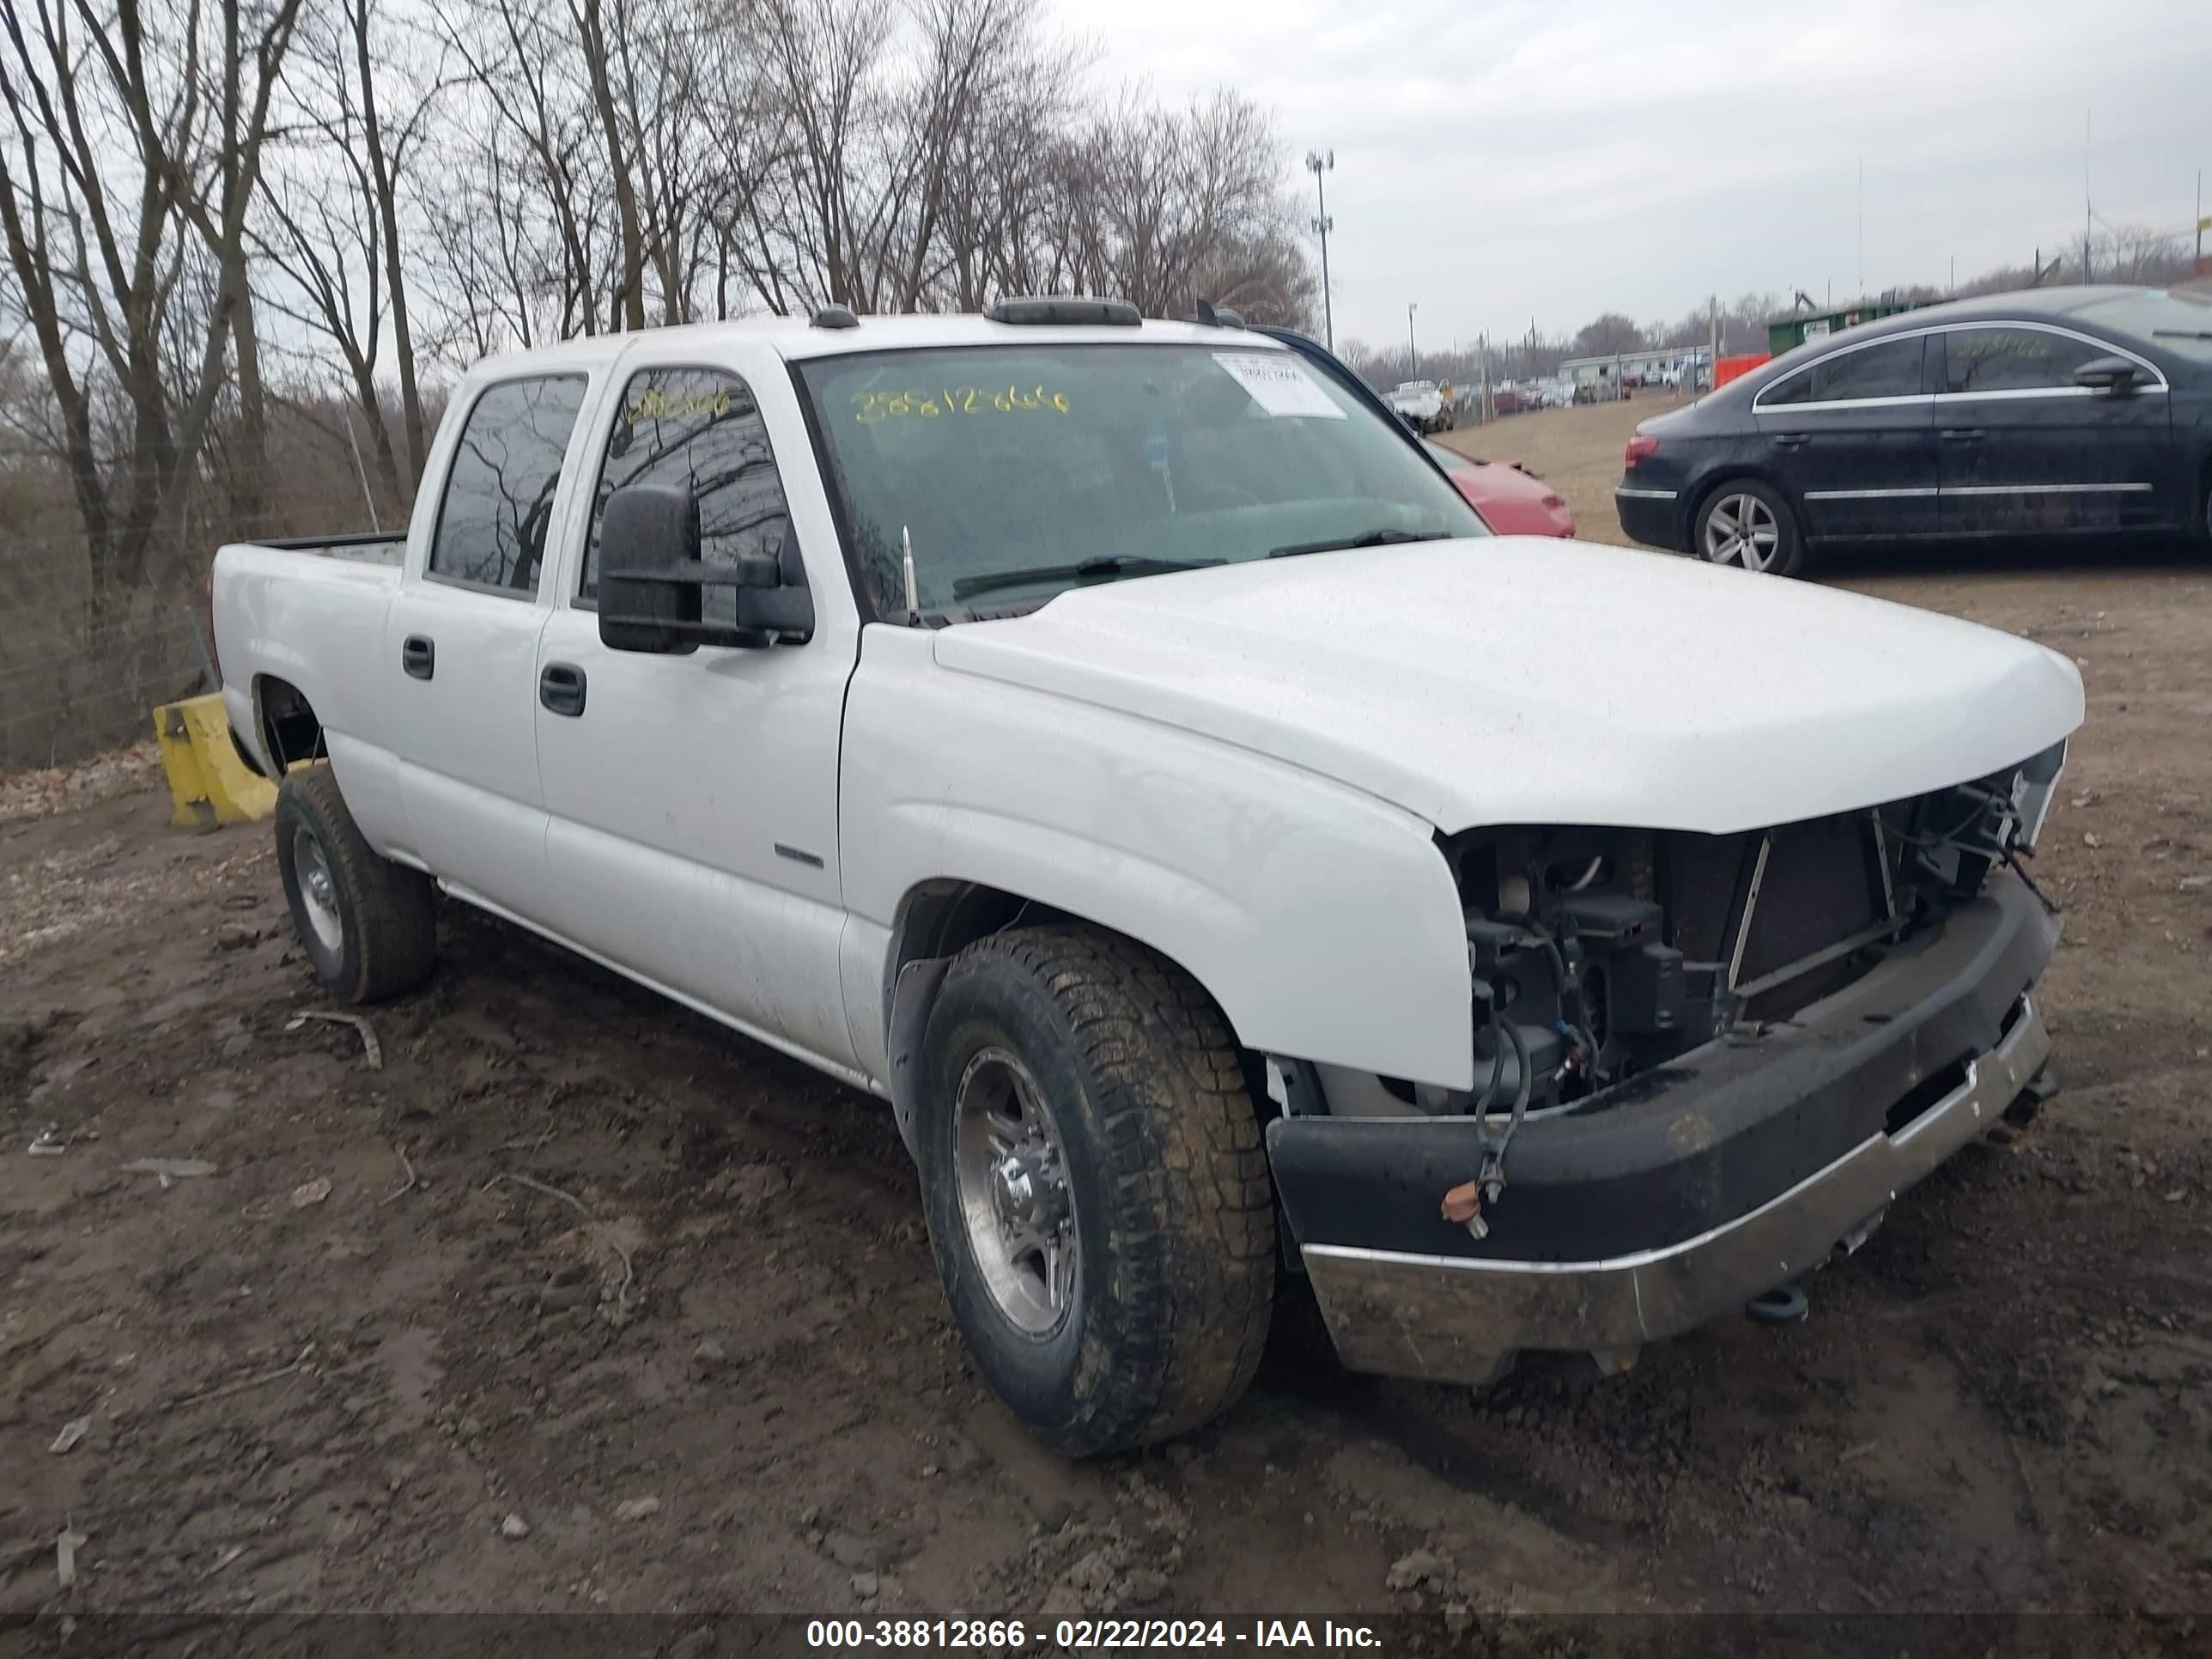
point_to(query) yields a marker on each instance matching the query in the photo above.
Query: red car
(1513, 501)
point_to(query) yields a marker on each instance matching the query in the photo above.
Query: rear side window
(1889, 369)
(2013, 359)
(699, 427)
(498, 504)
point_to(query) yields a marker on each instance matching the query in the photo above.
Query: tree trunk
(395, 269)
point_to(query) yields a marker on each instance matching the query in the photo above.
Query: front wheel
(1748, 524)
(1095, 1188)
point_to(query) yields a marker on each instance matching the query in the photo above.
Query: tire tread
(393, 936)
(1190, 1170)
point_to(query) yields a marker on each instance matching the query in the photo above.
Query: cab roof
(796, 339)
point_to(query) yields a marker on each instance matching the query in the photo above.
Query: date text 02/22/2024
(1084, 1634)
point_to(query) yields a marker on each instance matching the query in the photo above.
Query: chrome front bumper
(1458, 1319)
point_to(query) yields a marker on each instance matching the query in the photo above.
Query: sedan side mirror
(652, 583)
(2116, 376)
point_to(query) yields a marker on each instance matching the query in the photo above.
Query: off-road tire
(1789, 558)
(1174, 1213)
(387, 914)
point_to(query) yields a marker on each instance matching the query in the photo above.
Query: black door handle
(1791, 440)
(419, 656)
(561, 689)
(1964, 434)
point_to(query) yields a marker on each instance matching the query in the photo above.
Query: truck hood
(1522, 680)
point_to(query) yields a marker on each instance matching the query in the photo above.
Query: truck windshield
(1017, 472)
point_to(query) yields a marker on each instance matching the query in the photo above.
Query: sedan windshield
(2170, 321)
(1014, 472)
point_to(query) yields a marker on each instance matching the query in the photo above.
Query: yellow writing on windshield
(658, 405)
(873, 408)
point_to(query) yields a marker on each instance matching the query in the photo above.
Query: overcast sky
(1504, 160)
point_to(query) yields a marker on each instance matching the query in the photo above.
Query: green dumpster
(1788, 333)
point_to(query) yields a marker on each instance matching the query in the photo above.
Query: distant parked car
(1422, 406)
(2056, 411)
(1513, 501)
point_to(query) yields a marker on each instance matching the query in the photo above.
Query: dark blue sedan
(2061, 411)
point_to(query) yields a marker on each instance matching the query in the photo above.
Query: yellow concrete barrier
(208, 782)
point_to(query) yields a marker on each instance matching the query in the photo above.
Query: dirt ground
(578, 1302)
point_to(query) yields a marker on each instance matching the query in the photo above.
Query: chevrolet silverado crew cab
(1120, 746)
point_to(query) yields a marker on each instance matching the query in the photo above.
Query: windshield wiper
(1387, 537)
(1115, 564)
(2181, 334)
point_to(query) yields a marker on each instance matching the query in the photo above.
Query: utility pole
(2088, 118)
(1412, 357)
(1862, 205)
(1489, 407)
(1318, 162)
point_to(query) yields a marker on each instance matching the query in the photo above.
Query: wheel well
(943, 918)
(289, 729)
(937, 921)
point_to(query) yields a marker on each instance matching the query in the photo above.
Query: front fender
(1323, 922)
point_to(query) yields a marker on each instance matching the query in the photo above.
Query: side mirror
(2117, 376)
(652, 583)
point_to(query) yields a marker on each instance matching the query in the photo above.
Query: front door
(1849, 436)
(460, 646)
(693, 797)
(2027, 452)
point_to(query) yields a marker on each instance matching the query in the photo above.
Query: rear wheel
(368, 926)
(1748, 524)
(1097, 1192)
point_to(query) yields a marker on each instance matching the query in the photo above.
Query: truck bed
(308, 612)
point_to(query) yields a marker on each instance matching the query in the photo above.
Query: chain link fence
(81, 671)
(79, 674)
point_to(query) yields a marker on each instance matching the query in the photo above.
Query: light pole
(1318, 162)
(1412, 357)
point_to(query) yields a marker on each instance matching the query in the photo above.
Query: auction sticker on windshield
(1279, 383)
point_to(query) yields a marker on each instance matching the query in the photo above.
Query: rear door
(2027, 452)
(461, 643)
(1851, 435)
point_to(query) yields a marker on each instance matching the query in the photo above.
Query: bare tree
(329, 222)
(1168, 206)
(123, 166)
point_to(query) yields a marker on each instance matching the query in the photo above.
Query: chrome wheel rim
(1742, 530)
(319, 891)
(1014, 1193)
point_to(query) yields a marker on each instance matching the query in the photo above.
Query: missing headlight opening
(1599, 955)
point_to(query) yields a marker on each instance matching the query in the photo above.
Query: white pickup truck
(1116, 744)
(1423, 405)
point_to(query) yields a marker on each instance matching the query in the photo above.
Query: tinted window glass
(499, 496)
(2013, 359)
(699, 427)
(1891, 369)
